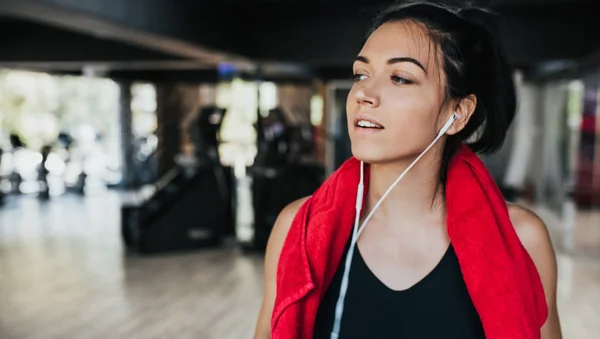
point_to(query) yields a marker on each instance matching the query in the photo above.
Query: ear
(464, 110)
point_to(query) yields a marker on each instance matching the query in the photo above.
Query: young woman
(411, 238)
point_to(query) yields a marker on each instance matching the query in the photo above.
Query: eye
(401, 80)
(358, 77)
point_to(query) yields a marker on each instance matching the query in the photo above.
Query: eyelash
(394, 78)
(356, 77)
(401, 80)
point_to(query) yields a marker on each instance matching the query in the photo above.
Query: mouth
(367, 123)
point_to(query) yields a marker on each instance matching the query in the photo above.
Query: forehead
(400, 39)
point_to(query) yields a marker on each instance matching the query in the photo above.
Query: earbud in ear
(448, 123)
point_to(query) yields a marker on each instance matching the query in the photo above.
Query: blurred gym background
(146, 148)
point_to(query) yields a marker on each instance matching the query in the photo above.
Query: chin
(370, 154)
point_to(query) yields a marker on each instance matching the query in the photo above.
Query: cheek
(351, 107)
(410, 122)
(410, 112)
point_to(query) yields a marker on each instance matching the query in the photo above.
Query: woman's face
(395, 105)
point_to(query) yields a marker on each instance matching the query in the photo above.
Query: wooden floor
(64, 274)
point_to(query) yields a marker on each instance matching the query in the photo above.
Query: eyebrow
(395, 61)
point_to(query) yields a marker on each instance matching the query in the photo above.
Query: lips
(363, 121)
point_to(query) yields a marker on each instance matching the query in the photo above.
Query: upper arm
(274, 246)
(535, 238)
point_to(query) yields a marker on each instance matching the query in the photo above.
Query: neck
(418, 194)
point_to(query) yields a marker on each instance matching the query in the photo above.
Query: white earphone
(447, 125)
(339, 307)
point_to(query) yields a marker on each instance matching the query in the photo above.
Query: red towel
(501, 278)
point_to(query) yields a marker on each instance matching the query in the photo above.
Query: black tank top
(436, 307)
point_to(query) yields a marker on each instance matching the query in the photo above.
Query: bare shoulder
(532, 230)
(281, 229)
(285, 218)
(534, 236)
(274, 247)
(289, 212)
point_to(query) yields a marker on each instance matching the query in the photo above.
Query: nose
(366, 95)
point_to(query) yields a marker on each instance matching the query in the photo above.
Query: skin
(398, 84)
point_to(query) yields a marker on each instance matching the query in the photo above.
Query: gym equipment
(282, 173)
(190, 207)
(273, 189)
(184, 213)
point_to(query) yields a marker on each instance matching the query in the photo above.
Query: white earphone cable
(339, 307)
